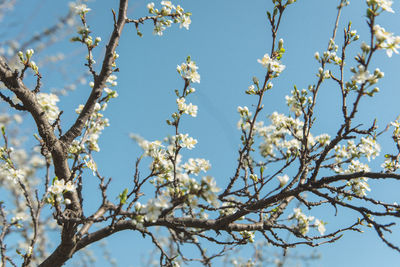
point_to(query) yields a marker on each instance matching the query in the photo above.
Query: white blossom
(384, 4)
(48, 102)
(80, 9)
(303, 221)
(189, 109)
(188, 71)
(57, 187)
(195, 166)
(271, 64)
(283, 180)
(186, 141)
(362, 75)
(320, 226)
(386, 40)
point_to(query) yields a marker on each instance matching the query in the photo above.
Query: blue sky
(225, 39)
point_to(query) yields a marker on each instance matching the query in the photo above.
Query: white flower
(369, 147)
(189, 72)
(212, 185)
(386, 40)
(158, 29)
(362, 75)
(195, 166)
(359, 186)
(283, 180)
(92, 166)
(57, 187)
(186, 141)
(384, 4)
(323, 139)
(81, 9)
(251, 89)
(154, 207)
(390, 165)
(48, 102)
(181, 104)
(189, 109)
(321, 226)
(70, 186)
(16, 175)
(271, 64)
(303, 222)
(192, 110)
(185, 21)
(150, 6)
(167, 4)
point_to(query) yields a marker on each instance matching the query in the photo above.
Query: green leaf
(123, 196)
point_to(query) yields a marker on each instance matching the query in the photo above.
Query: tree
(279, 166)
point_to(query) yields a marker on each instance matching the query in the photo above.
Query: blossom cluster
(386, 40)
(188, 187)
(16, 164)
(284, 135)
(83, 32)
(57, 189)
(391, 162)
(244, 112)
(80, 9)
(245, 119)
(298, 101)
(252, 90)
(12, 173)
(195, 166)
(359, 186)
(367, 147)
(186, 141)
(189, 109)
(329, 56)
(172, 177)
(48, 103)
(362, 75)
(188, 71)
(304, 222)
(384, 4)
(8, 169)
(94, 127)
(273, 65)
(248, 235)
(176, 13)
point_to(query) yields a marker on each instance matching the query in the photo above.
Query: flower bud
(280, 44)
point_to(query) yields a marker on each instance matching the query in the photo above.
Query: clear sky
(225, 39)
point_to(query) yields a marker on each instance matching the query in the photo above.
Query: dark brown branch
(100, 80)
(11, 103)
